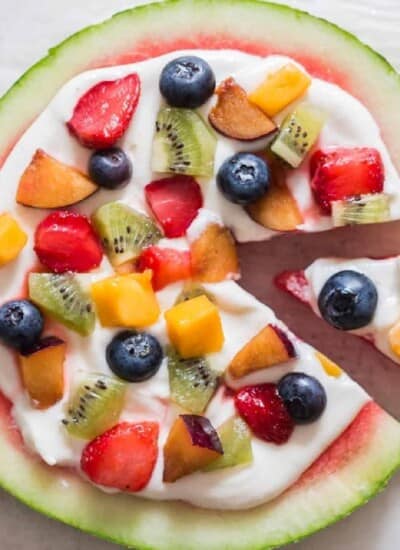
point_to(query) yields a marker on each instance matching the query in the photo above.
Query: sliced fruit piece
(192, 382)
(280, 89)
(194, 327)
(271, 346)
(183, 143)
(331, 368)
(295, 283)
(49, 183)
(124, 457)
(63, 298)
(235, 438)
(65, 241)
(103, 113)
(361, 209)
(214, 255)
(298, 134)
(192, 290)
(236, 117)
(42, 369)
(175, 203)
(95, 406)
(343, 173)
(123, 231)
(126, 300)
(394, 339)
(12, 239)
(168, 265)
(192, 444)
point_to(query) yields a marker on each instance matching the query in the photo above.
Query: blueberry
(348, 300)
(243, 178)
(110, 168)
(304, 397)
(187, 81)
(21, 324)
(134, 356)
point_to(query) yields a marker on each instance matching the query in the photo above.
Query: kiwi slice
(183, 143)
(193, 290)
(362, 209)
(123, 231)
(61, 296)
(95, 406)
(192, 382)
(235, 438)
(298, 133)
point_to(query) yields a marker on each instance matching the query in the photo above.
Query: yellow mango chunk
(280, 89)
(331, 368)
(126, 300)
(394, 339)
(194, 327)
(12, 239)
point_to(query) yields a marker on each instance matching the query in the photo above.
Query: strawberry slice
(265, 413)
(168, 265)
(175, 202)
(66, 241)
(103, 113)
(123, 457)
(294, 283)
(341, 173)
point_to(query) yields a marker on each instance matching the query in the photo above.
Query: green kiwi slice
(193, 290)
(192, 382)
(373, 208)
(95, 407)
(235, 437)
(183, 143)
(62, 297)
(123, 231)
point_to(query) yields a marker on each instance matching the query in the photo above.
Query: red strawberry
(294, 283)
(168, 265)
(103, 113)
(175, 203)
(265, 413)
(65, 241)
(341, 173)
(123, 457)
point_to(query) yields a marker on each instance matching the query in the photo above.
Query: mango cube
(280, 89)
(394, 339)
(12, 239)
(331, 368)
(194, 327)
(126, 300)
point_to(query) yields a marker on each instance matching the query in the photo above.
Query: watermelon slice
(366, 455)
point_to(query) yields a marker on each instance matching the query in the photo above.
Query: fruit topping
(343, 173)
(265, 413)
(348, 300)
(194, 327)
(192, 444)
(394, 339)
(123, 231)
(214, 255)
(187, 81)
(63, 298)
(296, 284)
(304, 397)
(235, 437)
(48, 183)
(126, 300)
(192, 290)
(175, 202)
(192, 382)
(271, 346)
(102, 115)
(361, 209)
(42, 369)
(298, 134)
(134, 356)
(183, 143)
(21, 324)
(243, 178)
(12, 239)
(168, 265)
(280, 89)
(95, 406)
(236, 117)
(65, 241)
(124, 457)
(110, 168)
(331, 368)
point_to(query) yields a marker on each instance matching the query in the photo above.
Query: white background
(27, 29)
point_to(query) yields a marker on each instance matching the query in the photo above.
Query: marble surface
(27, 29)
